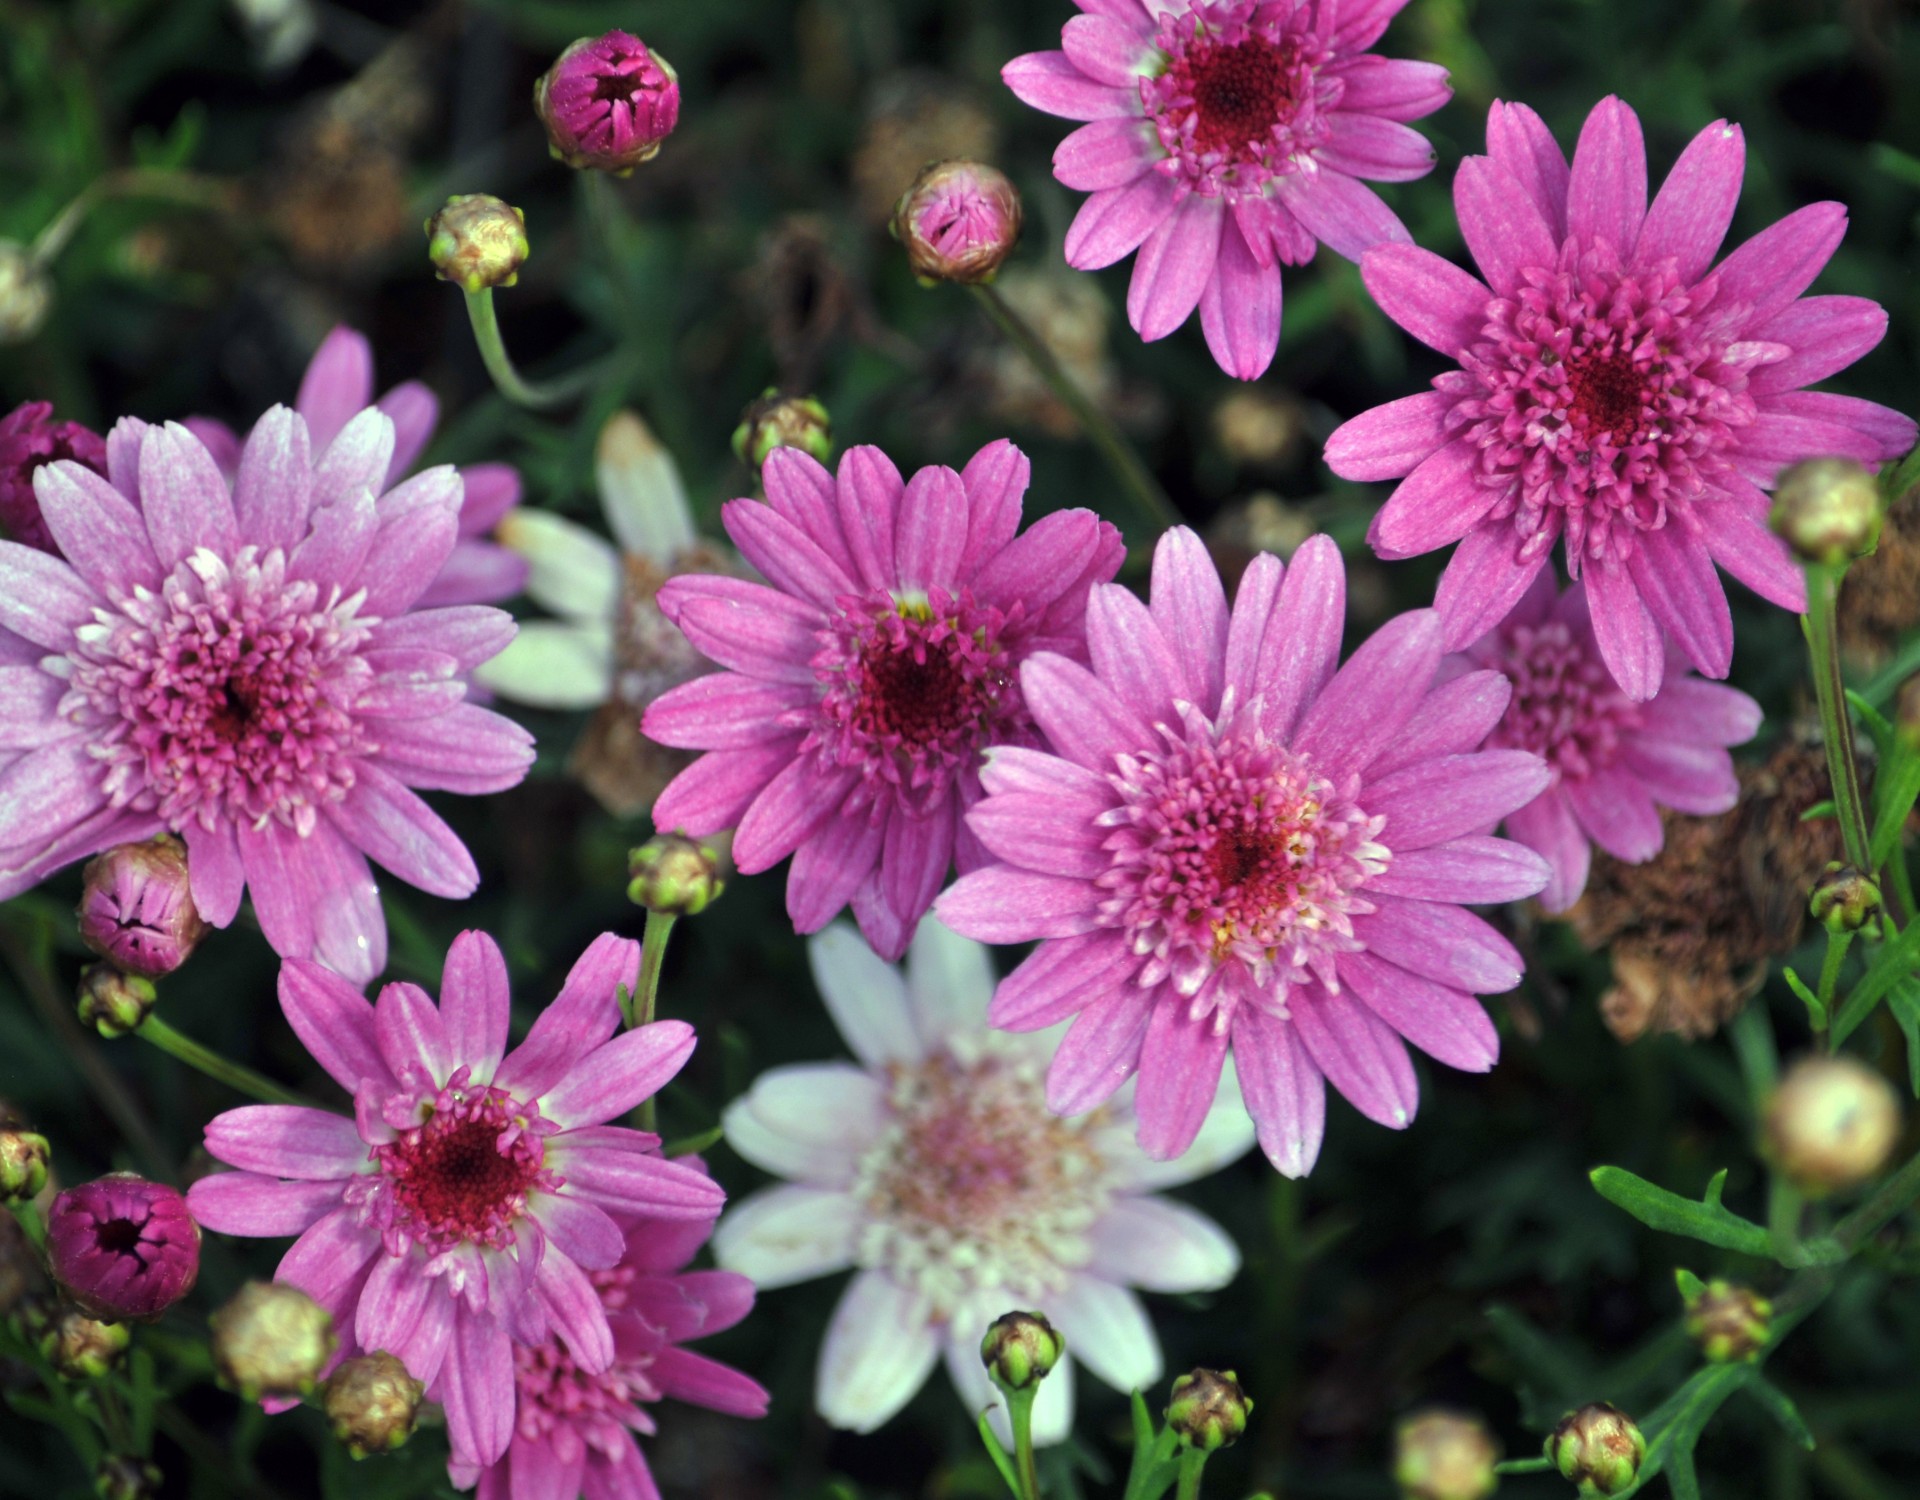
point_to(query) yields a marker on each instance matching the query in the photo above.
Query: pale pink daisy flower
(1236, 845)
(247, 667)
(936, 1171)
(337, 386)
(1615, 386)
(1613, 759)
(573, 1431)
(864, 683)
(1227, 138)
(461, 1206)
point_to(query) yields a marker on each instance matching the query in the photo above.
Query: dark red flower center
(1608, 392)
(1239, 93)
(117, 1236)
(463, 1175)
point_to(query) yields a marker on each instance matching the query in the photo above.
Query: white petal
(1226, 1135)
(811, 1123)
(640, 489)
(571, 571)
(950, 979)
(553, 665)
(1052, 1408)
(878, 1352)
(782, 1235)
(865, 995)
(1109, 1332)
(1163, 1247)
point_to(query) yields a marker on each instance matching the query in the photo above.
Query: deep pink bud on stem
(137, 910)
(608, 102)
(123, 1247)
(28, 439)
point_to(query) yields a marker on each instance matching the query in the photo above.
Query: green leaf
(1894, 962)
(1674, 1427)
(998, 1454)
(1904, 1001)
(692, 1145)
(1816, 1012)
(1691, 1286)
(1681, 1477)
(1659, 1209)
(1780, 1407)
(1819, 810)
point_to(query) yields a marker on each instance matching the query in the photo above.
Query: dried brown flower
(915, 118)
(1880, 600)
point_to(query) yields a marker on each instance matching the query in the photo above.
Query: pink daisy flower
(865, 682)
(337, 386)
(573, 1430)
(247, 668)
(1615, 386)
(461, 1206)
(1236, 846)
(935, 1170)
(1612, 759)
(1226, 138)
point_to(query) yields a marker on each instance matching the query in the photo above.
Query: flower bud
(112, 1002)
(121, 1476)
(23, 1164)
(28, 439)
(678, 876)
(777, 421)
(1444, 1455)
(26, 293)
(123, 1247)
(608, 102)
(1827, 510)
(1209, 1410)
(80, 1347)
(1830, 1124)
(272, 1339)
(372, 1403)
(1730, 1323)
(1020, 1349)
(477, 241)
(959, 221)
(137, 907)
(1599, 1448)
(1843, 899)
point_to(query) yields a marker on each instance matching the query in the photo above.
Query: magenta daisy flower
(247, 668)
(337, 386)
(1612, 759)
(1236, 846)
(1615, 386)
(865, 682)
(462, 1205)
(1226, 138)
(573, 1431)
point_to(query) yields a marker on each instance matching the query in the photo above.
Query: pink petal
(338, 384)
(1347, 218)
(245, 1203)
(782, 550)
(1519, 141)
(1240, 308)
(1628, 638)
(828, 865)
(1371, 698)
(1301, 648)
(1003, 905)
(726, 711)
(1694, 207)
(217, 877)
(1486, 576)
(1434, 300)
(1190, 606)
(1883, 433)
(475, 1004)
(1180, 1062)
(687, 1376)
(401, 833)
(1455, 795)
(1054, 562)
(334, 1022)
(1380, 150)
(1173, 268)
(414, 411)
(1547, 826)
(1439, 502)
(868, 491)
(1114, 222)
(476, 1388)
(1048, 81)
(1440, 942)
(750, 629)
(717, 789)
(1106, 154)
(573, 1310)
(1704, 713)
(1253, 605)
(355, 462)
(392, 1304)
(1607, 194)
(995, 479)
(1780, 262)
(1392, 440)
(1284, 1090)
(1059, 979)
(1391, 88)
(1130, 654)
(585, 1014)
(1503, 226)
(1108, 51)
(630, 1183)
(1100, 1051)
(96, 528)
(1085, 720)
(1682, 592)
(1826, 334)
(931, 536)
(490, 491)
(914, 864)
(412, 1040)
(184, 497)
(1695, 779)
(1441, 1022)
(1619, 815)
(1470, 870)
(41, 597)
(787, 812)
(1359, 23)
(287, 1140)
(1360, 1055)
(1454, 718)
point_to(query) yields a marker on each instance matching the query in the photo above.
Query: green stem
(28, 1218)
(1524, 1466)
(134, 182)
(1192, 1462)
(653, 953)
(1149, 499)
(1837, 945)
(236, 1077)
(1020, 1411)
(493, 351)
(1892, 1198)
(1783, 1220)
(1823, 594)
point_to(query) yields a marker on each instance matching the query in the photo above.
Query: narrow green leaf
(1904, 1001)
(1669, 1212)
(1780, 1407)
(1894, 962)
(1820, 810)
(1816, 1012)
(692, 1145)
(1878, 728)
(1681, 1476)
(998, 1454)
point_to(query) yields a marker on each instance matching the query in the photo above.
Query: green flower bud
(678, 876)
(1444, 1455)
(1730, 1323)
(477, 241)
(272, 1339)
(1827, 510)
(1020, 1349)
(372, 1403)
(26, 293)
(1599, 1448)
(23, 1164)
(1843, 899)
(114, 1002)
(1830, 1124)
(80, 1347)
(1208, 1410)
(779, 421)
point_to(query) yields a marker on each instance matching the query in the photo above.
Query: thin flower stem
(1837, 945)
(1524, 1466)
(1784, 1206)
(134, 182)
(493, 351)
(1149, 499)
(653, 953)
(241, 1079)
(1893, 1198)
(1823, 594)
(1020, 1410)
(1192, 1462)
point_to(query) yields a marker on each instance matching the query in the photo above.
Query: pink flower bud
(137, 910)
(27, 440)
(608, 103)
(123, 1247)
(958, 221)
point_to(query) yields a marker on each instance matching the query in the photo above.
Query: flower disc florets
(1566, 707)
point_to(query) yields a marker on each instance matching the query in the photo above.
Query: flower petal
(783, 1235)
(879, 1350)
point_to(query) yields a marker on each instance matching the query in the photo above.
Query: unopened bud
(1730, 1323)
(1599, 1448)
(114, 1002)
(1843, 899)
(1830, 1124)
(137, 907)
(29, 437)
(477, 241)
(1827, 510)
(779, 421)
(121, 1476)
(1020, 1350)
(82, 1347)
(123, 1247)
(23, 1164)
(959, 222)
(608, 102)
(678, 876)
(1444, 1455)
(26, 293)
(272, 1339)
(1208, 1410)
(372, 1403)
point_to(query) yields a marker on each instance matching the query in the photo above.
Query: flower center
(117, 1236)
(227, 694)
(463, 1174)
(976, 1186)
(1229, 850)
(1240, 98)
(1566, 707)
(916, 687)
(1607, 399)
(564, 1406)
